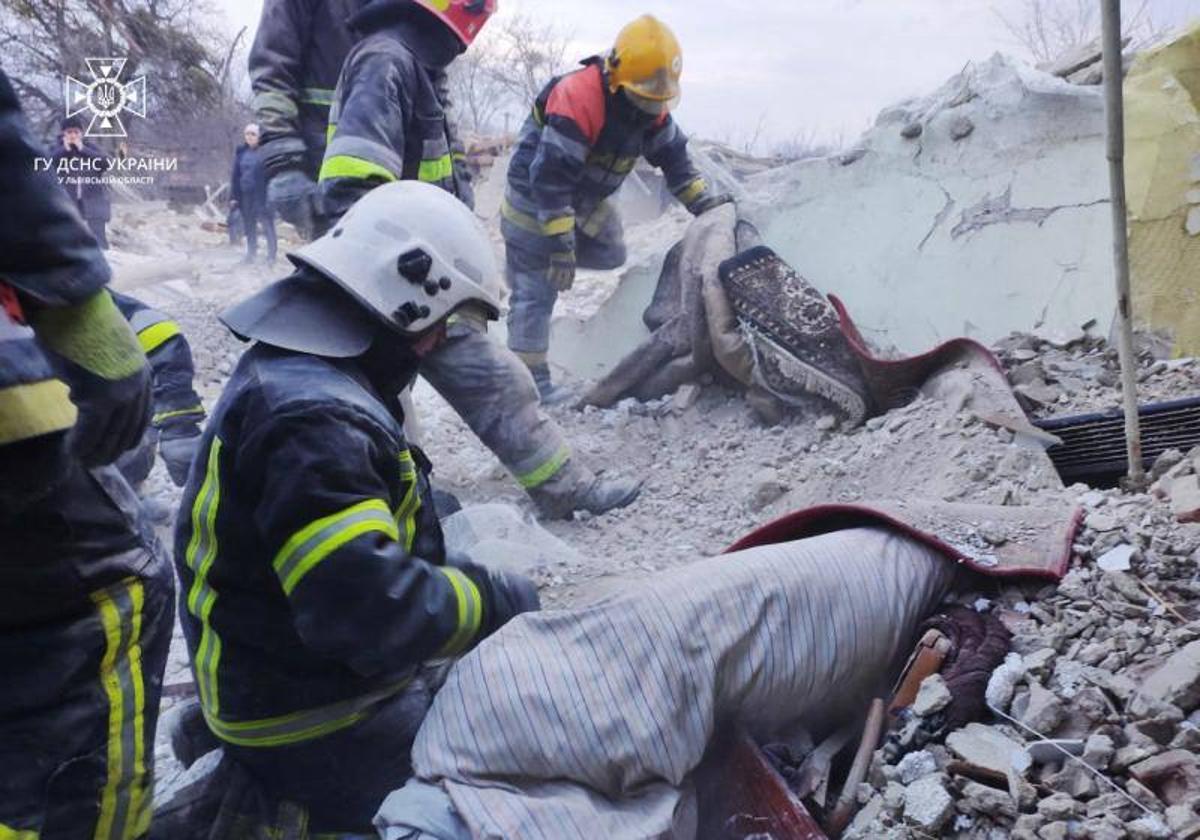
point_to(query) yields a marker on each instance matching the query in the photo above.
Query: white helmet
(412, 253)
(408, 252)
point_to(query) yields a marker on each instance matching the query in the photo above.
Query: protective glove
(100, 359)
(707, 201)
(561, 273)
(293, 195)
(177, 444)
(505, 594)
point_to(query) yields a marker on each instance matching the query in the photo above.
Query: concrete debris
(1041, 710)
(986, 800)
(1174, 776)
(986, 748)
(916, 765)
(927, 804)
(767, 488)
(1177, 682)
(1117, 559)
(932, 697)
(1028, 247)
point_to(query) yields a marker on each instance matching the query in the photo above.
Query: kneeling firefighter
(315, 582)
(585, 135)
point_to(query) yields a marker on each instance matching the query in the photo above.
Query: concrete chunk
(986, 748)
(1177, 681)
(927, 804)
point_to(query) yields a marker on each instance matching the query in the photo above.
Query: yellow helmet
(646, 62)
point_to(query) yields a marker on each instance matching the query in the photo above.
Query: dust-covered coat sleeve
(572, 120)
(367, 144)
(171, 365)
(325, 511)
(46, 252)
(276, 65)
(666, 148)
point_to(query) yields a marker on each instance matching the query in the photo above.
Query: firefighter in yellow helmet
(586, 132)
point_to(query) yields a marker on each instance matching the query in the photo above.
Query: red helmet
(465, 17)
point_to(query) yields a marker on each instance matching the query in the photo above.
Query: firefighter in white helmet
(315, 581)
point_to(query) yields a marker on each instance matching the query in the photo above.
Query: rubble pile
(1056, 375)
(1096, 722)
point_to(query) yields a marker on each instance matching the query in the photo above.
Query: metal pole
(1114, 78)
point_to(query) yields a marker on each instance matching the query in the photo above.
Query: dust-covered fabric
(589, 722)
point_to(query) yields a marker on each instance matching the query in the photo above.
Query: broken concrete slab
(1117, 559)
(986, 748)
(1176, 682)
(1042, 710)
(1174, 776)
(927, 804)
(1185, 498)
(932, 696)
(1075, 59)
(978, 237)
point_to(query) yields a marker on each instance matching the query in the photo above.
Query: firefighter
(387, 124)
(294, 65)
(316, 585)
(585, 134)
(178, 412)
(86, 606)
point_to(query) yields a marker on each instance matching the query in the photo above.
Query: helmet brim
(306, 314)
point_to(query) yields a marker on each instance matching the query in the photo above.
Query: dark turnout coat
(86, 188)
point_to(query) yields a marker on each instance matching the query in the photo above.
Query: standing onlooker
(84, 182)
(248, 186)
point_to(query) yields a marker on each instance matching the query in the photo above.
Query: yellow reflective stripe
(317, 96)
(200, 554)
(153, 336)
(406, 513)
(317, 540)
(183, 412)
(305, 725)
(329, 132)
(438, 169)
(34, 409)
(7, 833)
(348, 166)
(470, 611)
(692, 191)
(546, 471)
(558, 226)
(125, 803)
(554, 227)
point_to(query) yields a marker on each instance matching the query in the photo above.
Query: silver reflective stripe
(320, 538)
(434, 149)
(144, 318)
(274, 101)
(368, 150)
(571, 149)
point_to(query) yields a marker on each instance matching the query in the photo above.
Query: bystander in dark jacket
(81, 169)
(248, 192)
